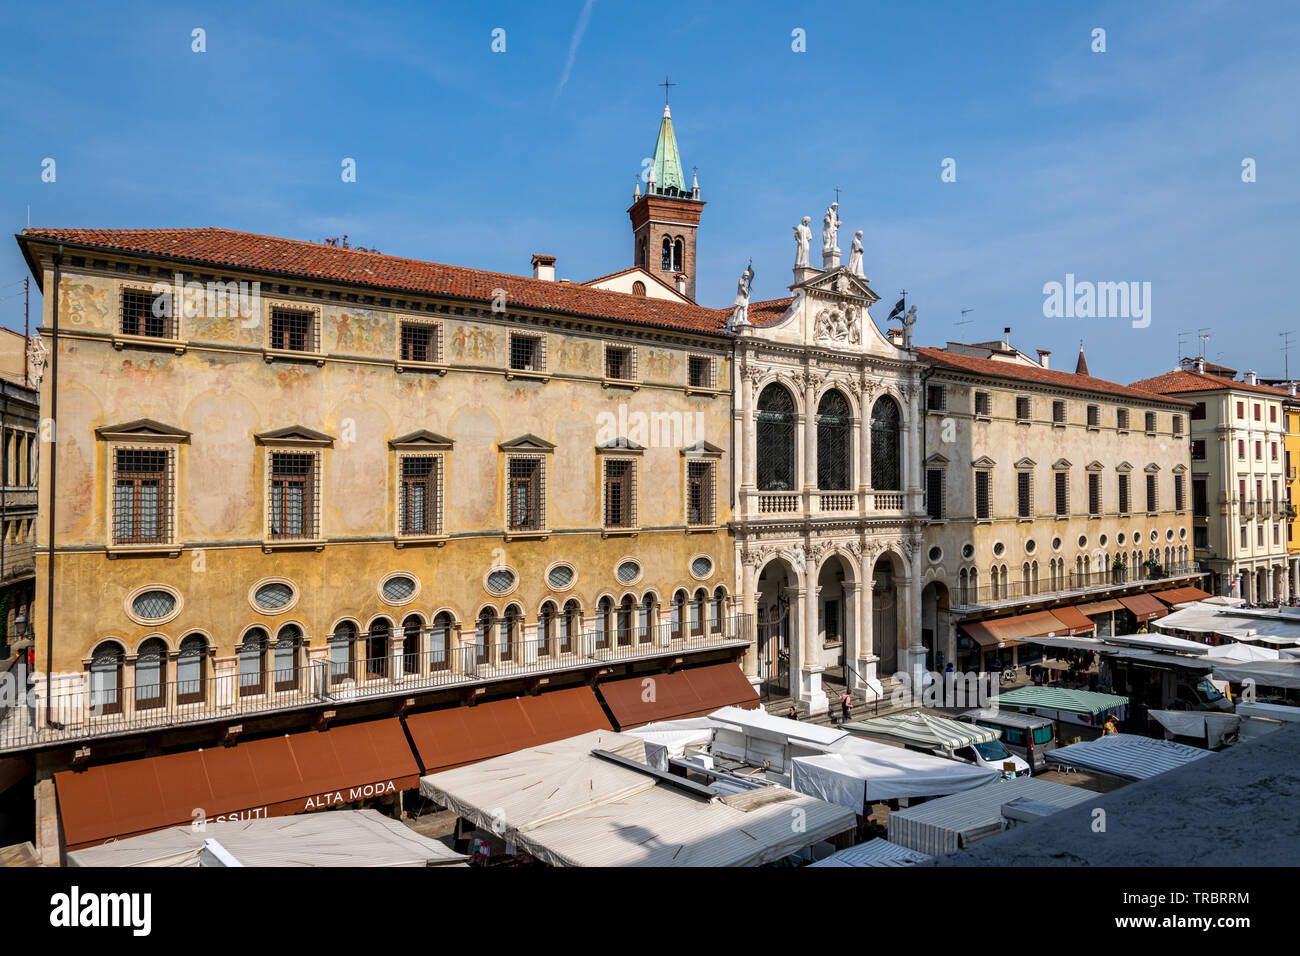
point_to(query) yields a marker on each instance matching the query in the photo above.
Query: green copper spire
(668, 164)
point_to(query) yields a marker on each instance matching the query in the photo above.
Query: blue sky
(1115, 166)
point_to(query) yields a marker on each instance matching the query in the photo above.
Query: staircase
(862, 710)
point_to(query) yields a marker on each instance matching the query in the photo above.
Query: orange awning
(1144, 607)
(275, 776)
(1073, 620)
(456, 736)
(1100, 607)
(1182, 595)
(688, 693)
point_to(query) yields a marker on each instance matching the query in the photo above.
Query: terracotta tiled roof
(767, 313)
(313, 261)
(1182, 380)
(1042, 376)
(640, 269)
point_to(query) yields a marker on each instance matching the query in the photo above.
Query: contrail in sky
(578, 31)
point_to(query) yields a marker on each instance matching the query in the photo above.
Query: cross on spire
(837, 195)
(665, 84)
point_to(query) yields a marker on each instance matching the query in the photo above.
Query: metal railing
(102, 704)
(1071, 581)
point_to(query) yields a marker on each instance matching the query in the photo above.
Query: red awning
(456, 736)
(1073, 620)
(688, 693)
(271, 777)
(1144, 607)
(1182, 595)
(1100, 607)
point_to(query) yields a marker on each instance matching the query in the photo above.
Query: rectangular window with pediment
(293, 495)
(143, 488)
(525, 493)
(700, 506)
(419, 504)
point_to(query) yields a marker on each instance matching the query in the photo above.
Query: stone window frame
(625, 451)
(271, 354)
(173, 342)
(420, 444)
(143, 435)
(438, 363)
(711, 455)
(540, 369)
(525, 447)
(633, 379)
(711, 363)
(297, 440)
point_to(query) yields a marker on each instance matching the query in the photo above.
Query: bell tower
(666, 217)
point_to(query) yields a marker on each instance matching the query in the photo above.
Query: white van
(991, 754)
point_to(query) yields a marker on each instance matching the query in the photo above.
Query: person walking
(1110, 727)
(846, 707)
(792, 714)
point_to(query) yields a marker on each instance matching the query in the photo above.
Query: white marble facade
(829, 566)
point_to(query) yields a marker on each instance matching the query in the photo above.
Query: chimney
(543, 267)
(1249, 378)
(1291, 389)
(681, 283)
(1200, 363)
(1044, 358)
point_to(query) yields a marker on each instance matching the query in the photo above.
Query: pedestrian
(948, 670)
(1110, 726)
(792, 714)
(846, 707)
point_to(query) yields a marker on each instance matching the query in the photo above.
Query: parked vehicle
(1025, 735)
(992, 754)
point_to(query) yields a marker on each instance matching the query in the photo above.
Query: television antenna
(964, 320)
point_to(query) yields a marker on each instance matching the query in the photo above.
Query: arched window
(377, 648)
(833, 443)
(512, 627)
(252, 663)
(646, 626)
(285, 657)
(626, 610)
(440, 641)
(679, 614)
(106, 679)
(570, 626)
(963, 595)
(343, 644)
(546, 622)
(412, 639)
(638, 287)
(698, 611)
(677, 255)
(642, 259)
(993, 572)
(487, 619)
(666, 263)
(716, 614)
(150, 673)
(774, 439)
(191, 664)
(886, 455)
(603, 612)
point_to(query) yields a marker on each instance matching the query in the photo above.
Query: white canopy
(1210, 725)
(1282, 712)
(874, 853)
(1279, 674)
(858, 772)
(1242, 652)
(667, 739)
(1158, 642)
(331, 838)
(1243, 625)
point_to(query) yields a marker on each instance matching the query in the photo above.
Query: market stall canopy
(1281, 675)
(1010, 631)
(1242, 652)
(1068, 643)
(1210, 726)
(1182, 595)
(875, 852)
(666, 739)
(343, 838)
(1073, 620)
(1144, 607)
(950, 823)
(1283, 712)
(694, 692)
(459, 735)
(1101, 607)
(1158, 642)
(568, 803)
(274, 776)
(1063, 699)
(1126, 755)
(925, 730)
(1143, 656)
(858, 772)
(1238, 623)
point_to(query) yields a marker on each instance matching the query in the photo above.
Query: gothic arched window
(833, 443)
(774, 439)
(886, 458)
(677, 255)
(666, 263)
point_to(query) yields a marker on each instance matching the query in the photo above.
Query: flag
(897, 309)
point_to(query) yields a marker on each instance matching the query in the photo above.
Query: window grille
(699, 493)
(886, 455)
(560, 577)
(140, 314)
(294, 491)
(1058, 413)
(620, 493)
(293, 330)
(627, 571)
(1121, 418)
(143, 485)
(620, 363)
(419, 507)
(1178, 424)
(1025, 494)
(834, 422)
(1151, 421)
(1151, 493)
(936, 398)
(1094, 416)
(982, 403)
(702, 566)
(934, 494)
(1094, 494)
(1023, 408)
(527, 353)
(1123, 495)
(700, 372)
(1180, 503)
(420, 342)
(774, 433)
(252, 663)
(1062, 493)
(273, 596)
(500, 580)
(398, 589)
(526, 494)
(982, 494)
(153, 605)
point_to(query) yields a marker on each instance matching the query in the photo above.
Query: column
(813, 696)
(913, 455)
(396, 651)
(809, 445)
(867, 658)
(748, 605)
(798, 680)
(864, 452)
(913, 657)
(748, 441)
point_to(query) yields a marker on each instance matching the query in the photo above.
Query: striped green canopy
(924, 730)
(1060, 699)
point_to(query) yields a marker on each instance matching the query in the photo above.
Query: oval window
(153, 605)
(968, 551)
(628, 571)
(998, 549)
(701, 567)
(398, 588)
(1030, 545)
(936, 553)
(501, 580)
(273, 596)
(560, 577)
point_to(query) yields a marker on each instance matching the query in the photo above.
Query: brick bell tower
(666, 217)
